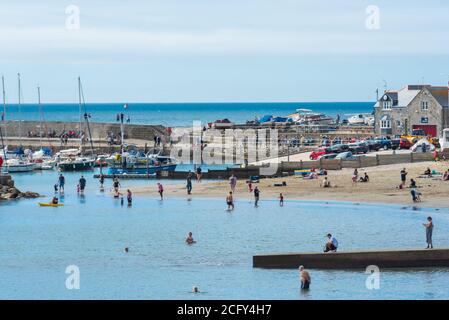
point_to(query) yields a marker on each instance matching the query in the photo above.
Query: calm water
(37, 244)
(182, 114)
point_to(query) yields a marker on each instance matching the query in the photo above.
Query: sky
(221, 50)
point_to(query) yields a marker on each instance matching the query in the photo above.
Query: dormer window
(424, 105)
(386, 105)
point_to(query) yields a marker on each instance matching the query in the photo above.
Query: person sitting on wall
(332, 244)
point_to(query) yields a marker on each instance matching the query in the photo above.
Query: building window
(385, 124)
(386, 105)
(424, 105)
(398, 123)
(424, 120)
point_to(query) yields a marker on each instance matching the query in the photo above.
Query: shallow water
(37, 244)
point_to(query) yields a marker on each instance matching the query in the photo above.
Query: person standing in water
(304, 278)
(82, 184)
(129, 197)
(101, 181)
(189, 183)
(116, 184)
(160, 189)
(256, 196)
(281, 199)
(61, 181)
(189, 239)
(230, 201)
(429, 231)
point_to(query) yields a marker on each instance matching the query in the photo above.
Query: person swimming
(195, 289)
(189, 239)
(55, 200)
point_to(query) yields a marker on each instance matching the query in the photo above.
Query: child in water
(129, 197)
(160, 189)
(281, 199)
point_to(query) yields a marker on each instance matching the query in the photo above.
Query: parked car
(328, 156)
(314, 155)
(338, 148)
(384, 143)
(395, 143)
(358, 147)
(373, 145)
(404, 144)
(345, 156)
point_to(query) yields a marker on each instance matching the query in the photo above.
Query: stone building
(413, 107)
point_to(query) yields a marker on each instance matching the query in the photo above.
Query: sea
(180, 114)
(43, 249)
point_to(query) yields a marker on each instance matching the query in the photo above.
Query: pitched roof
(440, 94)
(407, 94)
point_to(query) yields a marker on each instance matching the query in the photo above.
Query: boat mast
(80, 111)
(4, 121)
(4, 106)
(20, 110)
(86, 116)
(40, 114)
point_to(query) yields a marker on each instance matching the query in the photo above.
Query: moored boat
(18, 165)
(136, 163)
(76, 164)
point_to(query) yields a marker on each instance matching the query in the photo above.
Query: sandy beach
(382, 187)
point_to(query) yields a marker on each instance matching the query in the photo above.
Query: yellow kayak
(42, 204)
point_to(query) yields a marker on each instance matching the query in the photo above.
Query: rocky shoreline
(8, 191)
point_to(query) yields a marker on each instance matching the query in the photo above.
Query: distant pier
(407, 258)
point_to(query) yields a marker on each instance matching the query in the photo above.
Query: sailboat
(42, 158)
(79, 162)
(18, 164)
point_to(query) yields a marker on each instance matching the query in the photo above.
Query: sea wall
(355, 260)
(99, 130)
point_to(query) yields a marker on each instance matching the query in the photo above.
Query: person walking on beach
(355, 176)
(403, 177)
(256, 196)
(198, 174)
(189, 183)
(82, 184)
(160, 189)
(129, 197)
(429, 231)
(230, 201)
(250, 186)
(233, 182)
(61, 181)
(304, 278)
(332, 244)
(281, 199)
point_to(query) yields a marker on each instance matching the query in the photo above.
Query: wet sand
(382, 187)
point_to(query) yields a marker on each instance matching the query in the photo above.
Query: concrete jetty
(401, 258)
